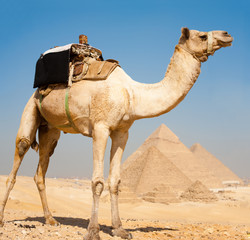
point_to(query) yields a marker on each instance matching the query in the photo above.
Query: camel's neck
(151, 100)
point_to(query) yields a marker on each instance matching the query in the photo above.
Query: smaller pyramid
(127, 196)
(150, 170)
(215, 165)
(161, 194)
(197, 192)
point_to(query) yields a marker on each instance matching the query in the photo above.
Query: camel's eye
(203, 37)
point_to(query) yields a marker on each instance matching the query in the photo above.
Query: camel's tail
(35, 145)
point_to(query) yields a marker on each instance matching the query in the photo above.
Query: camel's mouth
(223, 38)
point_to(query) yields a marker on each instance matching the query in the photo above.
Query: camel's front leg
(119, 140)
(100, 137)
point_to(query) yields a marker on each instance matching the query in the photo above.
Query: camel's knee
(97, 186)
(114, 186)
(39, 182)
(23, 146)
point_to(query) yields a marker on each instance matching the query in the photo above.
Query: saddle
(89, 64)
(71, 63)
(91, 69)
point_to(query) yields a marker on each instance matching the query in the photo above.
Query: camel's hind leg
(48, 138)
(25, 138)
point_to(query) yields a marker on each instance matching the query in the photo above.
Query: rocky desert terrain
(70, 202)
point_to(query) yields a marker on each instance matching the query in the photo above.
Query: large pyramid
(174, 150)
(160, 134)
(217, 167)
(151, 170)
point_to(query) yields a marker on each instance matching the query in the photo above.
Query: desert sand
(70, 202)
(168, 191)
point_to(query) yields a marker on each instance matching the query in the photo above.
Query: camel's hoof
(92, 236)
(1, 223)
(51, 221)
(120, 232)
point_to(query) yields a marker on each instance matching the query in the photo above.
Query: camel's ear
(185, 32)
(184, 35)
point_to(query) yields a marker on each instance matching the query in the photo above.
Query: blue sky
(142, 36)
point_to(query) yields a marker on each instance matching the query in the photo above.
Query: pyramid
(197, 192)
(125, 196)
(217, 167)
(128, 196)
(161, 133)
(151, 170)
(161, 194)
(175, 151)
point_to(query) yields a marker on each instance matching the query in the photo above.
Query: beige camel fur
(100, 109)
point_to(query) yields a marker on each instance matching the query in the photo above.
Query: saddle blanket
(53, 65)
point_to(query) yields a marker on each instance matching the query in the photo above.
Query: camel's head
(204, 44)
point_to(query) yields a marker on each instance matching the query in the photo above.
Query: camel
(102, 109)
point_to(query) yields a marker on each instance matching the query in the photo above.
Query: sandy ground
(70, 202)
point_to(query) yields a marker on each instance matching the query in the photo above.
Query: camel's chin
(226, 42)
(203, 58)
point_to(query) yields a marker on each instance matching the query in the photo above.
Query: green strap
(67, 110)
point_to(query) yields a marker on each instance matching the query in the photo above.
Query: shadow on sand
(83, 223)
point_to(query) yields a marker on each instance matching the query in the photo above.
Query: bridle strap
(210, 50)
(210, 43)
(187, 50)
